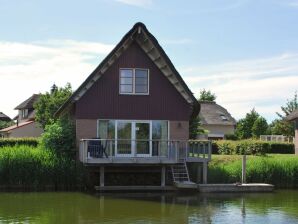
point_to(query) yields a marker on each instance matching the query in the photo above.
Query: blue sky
(246, 51)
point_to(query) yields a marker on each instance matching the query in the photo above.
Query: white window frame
(25, 113)
(134, 81)
(133, 135)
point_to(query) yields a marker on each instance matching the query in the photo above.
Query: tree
(59, 136)
(259, 127)
(281, 126)
(49, 103)
(291, 105)
(5, 124)
(244, 126)
(195, 128)
(207, 96)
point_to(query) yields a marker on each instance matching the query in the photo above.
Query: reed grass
(278, 169)
(23, 165)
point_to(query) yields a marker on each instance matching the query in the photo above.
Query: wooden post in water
(102, 176)
(163, 176)
(205, 170)
(243, 169)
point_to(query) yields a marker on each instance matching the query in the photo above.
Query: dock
(202, 188)
(235, 188)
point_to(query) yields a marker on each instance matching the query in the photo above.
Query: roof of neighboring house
(292, 116)
(212, 113)
(4, 117)
(16, 126)
(151, 47)
(28, 103)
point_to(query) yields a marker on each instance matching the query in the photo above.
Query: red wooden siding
(103, 100)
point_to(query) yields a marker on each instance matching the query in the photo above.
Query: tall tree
(207, 95)
(290, 106)
(281, 126)
(195, 128)
(49, 103)
(259, 127)
(244, 126)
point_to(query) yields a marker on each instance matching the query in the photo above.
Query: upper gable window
(134, 81)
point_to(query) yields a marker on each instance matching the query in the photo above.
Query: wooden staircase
(181, 176)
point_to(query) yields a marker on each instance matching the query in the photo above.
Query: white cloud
(27, 68)
(264, 83)
(138, 3)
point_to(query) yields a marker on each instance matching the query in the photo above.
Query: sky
(244, 51)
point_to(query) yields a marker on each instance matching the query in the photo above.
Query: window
(134, 81)
(24, 113)
(223, 117)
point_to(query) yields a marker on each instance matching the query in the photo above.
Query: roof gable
(151, 47)
(214, 114)
(28, 103)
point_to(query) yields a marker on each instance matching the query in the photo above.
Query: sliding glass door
(135, 138)
(124, 139)
(142, 144)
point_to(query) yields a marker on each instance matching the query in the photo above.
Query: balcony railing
(94, 151)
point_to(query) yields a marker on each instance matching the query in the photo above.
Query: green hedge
(251, 147)
(280, 170)
(37, 167)
(19, 141)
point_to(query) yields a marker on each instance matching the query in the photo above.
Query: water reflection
(279, 207)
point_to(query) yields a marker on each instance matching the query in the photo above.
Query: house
(132, 114)
(216, 120)
(4, 117)
(294, 118)
(25, 121)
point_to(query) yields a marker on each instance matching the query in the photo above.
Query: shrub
(250, 147)
(231, 137)
(19, 141)
(281, 147)
(59, 136)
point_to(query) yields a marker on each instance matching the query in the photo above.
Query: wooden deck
(104, 151)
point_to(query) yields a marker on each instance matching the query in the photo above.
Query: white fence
(276, 138)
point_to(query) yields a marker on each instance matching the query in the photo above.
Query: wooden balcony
(127, 151)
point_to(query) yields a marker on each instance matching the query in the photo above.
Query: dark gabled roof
(150, 45)
(292, 116)
(214, 114)
(28, 104)
(4, 117)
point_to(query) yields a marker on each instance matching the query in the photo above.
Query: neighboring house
(216, 119)
(133, 111)
(4, 117)
(294, 118)
(25, 121)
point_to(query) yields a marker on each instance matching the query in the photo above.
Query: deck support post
(102, 176)
(199, 173)
(205, 170)
(163, 176)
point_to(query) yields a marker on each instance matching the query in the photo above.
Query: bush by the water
(251, 147)
(59, 136)
(37, 167)
(280, 170)
(18, 141)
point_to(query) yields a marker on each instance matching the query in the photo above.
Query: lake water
(61, 207)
